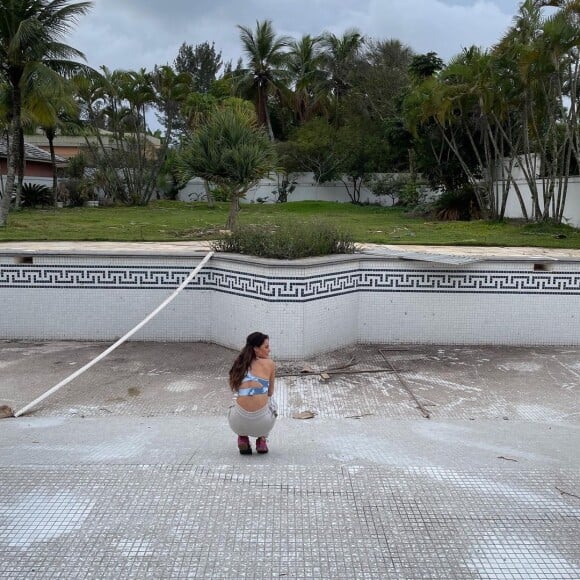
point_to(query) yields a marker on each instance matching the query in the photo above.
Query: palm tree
(31, 52)
(230, 150)
(304, 64)
(52, 111)
(265, 73)
(340, 53)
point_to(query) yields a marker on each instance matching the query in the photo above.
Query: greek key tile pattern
(293, 289)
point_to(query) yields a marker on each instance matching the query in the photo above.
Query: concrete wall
(571, 209)
(306, 306)
(306, 190)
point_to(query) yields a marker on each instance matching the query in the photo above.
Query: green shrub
(289, 242)
(76, 166)
(388, 186)
(220, 193)
(457, 205)
(34, 195)
(74, 192)
(413, 194)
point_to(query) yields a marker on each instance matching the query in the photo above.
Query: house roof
(31, 153)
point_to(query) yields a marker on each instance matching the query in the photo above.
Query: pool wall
(306, 306)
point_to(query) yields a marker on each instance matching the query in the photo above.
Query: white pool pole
(119, 342)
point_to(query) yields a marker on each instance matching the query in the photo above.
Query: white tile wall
(470, 319)
(297, 327)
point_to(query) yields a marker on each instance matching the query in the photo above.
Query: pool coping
(450, 255)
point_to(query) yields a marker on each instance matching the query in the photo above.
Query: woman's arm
(272, 377)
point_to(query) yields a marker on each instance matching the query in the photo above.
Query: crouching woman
(253, 412)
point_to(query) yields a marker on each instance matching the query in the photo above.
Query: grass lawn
(177, 221)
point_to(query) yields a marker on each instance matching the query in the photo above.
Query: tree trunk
(50, 136)
(263, 114)
(234, 210)
(21, 167)
(161, 155)
(13, 150)
(208, 194)
(452, 143)
(347, 187)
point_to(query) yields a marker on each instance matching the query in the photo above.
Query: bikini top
(261, 390)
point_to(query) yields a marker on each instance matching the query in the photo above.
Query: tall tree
(265, 71)
(32, 52)
(53, 110)
(340, 54)
(304, 62)
(201, 61)
(424, 66)
(380, 78)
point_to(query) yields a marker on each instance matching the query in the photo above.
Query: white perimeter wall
(571, 209)
(306, 190)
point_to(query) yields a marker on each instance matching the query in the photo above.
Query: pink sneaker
(261, 446)
(244, 445)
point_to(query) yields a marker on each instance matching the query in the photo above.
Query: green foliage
(33, 55)
(387, 186)
(229, 150)
(400, 143)
(77, 187)
(412, 194)
(311, 149)
(201, 62)
(75, 192)
(168, 180)
(220, 193)
(423, 66)
(404, 190)
(36, 195)
(289, 242)
(265, 73)
(286, 184)
(361, 151)
(76, 166)
(379, 78)
(349, 153)
(222, 88)
(127, 157)
(457, 205)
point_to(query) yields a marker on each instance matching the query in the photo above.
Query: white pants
(253, 423)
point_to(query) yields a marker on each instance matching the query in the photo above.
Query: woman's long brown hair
(245, 359)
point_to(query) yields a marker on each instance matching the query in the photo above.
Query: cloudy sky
(131, 34)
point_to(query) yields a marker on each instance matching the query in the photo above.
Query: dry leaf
(304, 415)
(6, 411)
(324, 376)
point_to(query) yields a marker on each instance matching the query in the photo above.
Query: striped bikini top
(261, 390)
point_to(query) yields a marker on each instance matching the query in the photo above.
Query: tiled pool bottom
(306, 306)
(109, 522)
(153, 379)
(132, 472)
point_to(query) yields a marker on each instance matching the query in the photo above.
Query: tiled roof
(31, 153)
